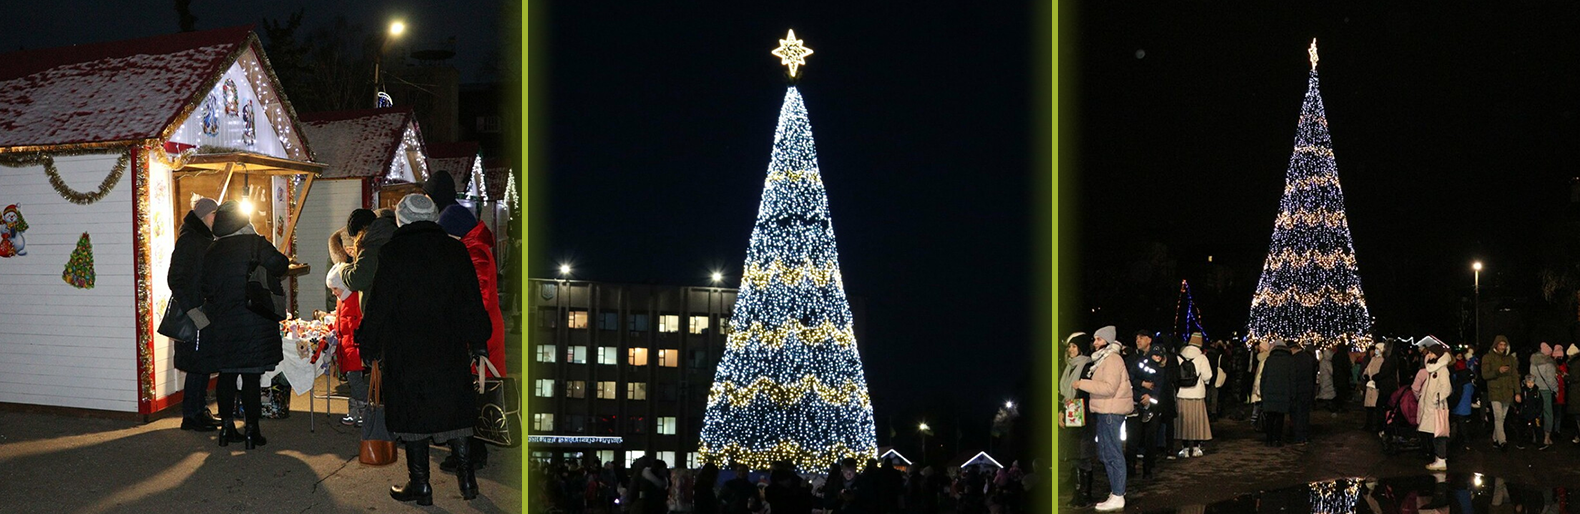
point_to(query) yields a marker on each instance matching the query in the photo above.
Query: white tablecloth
(299, 372)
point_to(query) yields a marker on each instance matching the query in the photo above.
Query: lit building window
(669, 358)
(543, 422)
(546, 353)
(606, 390)
(577, 319)
(699, 325)
(667, 457)
(605, 456)
(691, 461)
(608, 355)
(544, 387)
(636, 356)
(636, 390)
(576, 355)
(666, 426)
(575, 389)
(668, 323)
(630, 458)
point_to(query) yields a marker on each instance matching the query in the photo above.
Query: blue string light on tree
(790, 386)
(1310, 290)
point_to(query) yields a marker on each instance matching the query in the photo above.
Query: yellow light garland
(1312, 299)
(1287, 220)
(786, 394)
(775, 338)
(1325, 260)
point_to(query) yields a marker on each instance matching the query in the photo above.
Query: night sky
(428, 23)
(661, 124)
(1454, 133)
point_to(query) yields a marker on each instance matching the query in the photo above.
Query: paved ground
(61, 464)
(1237, 463)
(1554, 467)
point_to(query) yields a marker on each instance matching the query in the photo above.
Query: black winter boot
(461, 447)
(228, 433)
(417, 488)
(1083, 489)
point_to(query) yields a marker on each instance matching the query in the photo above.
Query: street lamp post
(396, 29)
(923, 429)
(1476, 266)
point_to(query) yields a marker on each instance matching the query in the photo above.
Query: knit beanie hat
(1195, 339)
(457, 220)
(1106, 333)
(1547, 349)
(1573, 350)
(414, 208)
(334, 281)
(1082, 342)
(359, 220)
(204, 206)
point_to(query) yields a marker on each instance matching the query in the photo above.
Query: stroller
(1399, 424)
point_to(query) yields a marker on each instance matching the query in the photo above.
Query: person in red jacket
(348, 315)
(459, 222)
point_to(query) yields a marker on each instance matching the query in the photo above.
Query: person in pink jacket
(1107, 382)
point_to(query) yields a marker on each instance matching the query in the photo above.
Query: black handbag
(176, 324)
(265, 296)
(499, 418)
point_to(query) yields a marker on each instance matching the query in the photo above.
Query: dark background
(660, 121)
(1454, 130)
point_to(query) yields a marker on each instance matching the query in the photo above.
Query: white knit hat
(334, 281)
(414, 208)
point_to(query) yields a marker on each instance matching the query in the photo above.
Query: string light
(804, 398)
(1310, 291)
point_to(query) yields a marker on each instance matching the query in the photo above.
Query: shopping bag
(499, 415)
(378, 445)
(1075, 413)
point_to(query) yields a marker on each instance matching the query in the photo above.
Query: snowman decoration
(11, 228)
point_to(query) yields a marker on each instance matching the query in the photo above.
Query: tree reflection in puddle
(1428, 494)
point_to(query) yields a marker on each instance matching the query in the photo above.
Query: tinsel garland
(142, 276)
(48, 162)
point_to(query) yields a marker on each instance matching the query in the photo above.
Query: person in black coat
(185, 280)
(1153, 387)
(1278, 391)
(232, 339)
(424, 321)
(705, 499)
(1305, 387)
(1341, 377)
(740, 495)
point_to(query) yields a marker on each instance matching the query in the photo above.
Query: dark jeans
(1273, 424)
(1440, 447)
(1111, 451)
(194, 395)
(1300, 414)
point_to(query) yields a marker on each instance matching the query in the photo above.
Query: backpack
(1457, 381)
(1188, 376)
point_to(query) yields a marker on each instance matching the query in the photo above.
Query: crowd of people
(649, 486)
(1165, 396)
(416, 294)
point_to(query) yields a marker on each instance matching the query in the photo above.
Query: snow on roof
(113, 91)
(457, 159)
(360, 143)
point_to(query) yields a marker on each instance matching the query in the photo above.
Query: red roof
(357, 143)
(113, 91)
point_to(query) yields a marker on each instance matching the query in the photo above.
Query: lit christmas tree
(79, 270)
(790, 386)
(1187, 318)
(1309, 291)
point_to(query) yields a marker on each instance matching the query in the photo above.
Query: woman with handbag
(1433, 408)
(186, 294)
(424, 321)
(1078, 350)
(460, 224)
(239, 340)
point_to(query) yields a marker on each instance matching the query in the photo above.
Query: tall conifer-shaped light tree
(1310, 290)
(790, 385)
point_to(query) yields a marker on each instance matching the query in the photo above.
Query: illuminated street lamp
(1476, 266)
(565, 269)
(396, 29)
(923, 429)
(717, 277)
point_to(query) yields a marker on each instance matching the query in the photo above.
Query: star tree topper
(791, 52)
(1313, 54)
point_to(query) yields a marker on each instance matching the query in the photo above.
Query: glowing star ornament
(792, 52)
(1310, 290)
(1313, 52)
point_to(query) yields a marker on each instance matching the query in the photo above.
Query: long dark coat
(185, 279)
(1341, 373)
(1278, 384)
(424, 317)
(236, 337)
(1305, 376)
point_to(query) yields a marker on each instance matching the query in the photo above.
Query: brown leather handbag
(378, 446)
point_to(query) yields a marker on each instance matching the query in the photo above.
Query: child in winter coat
(348, 316)
(1528, 405)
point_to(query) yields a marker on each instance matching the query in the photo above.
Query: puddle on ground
(1451, 493)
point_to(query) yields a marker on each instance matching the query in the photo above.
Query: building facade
(617, 371)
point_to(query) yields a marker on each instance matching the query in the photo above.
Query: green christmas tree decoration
(79, 270)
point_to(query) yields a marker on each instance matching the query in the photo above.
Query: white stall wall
(329, 203)
(59, 345)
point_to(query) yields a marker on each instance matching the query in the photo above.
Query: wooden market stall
(101, 146)
(374, 158)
